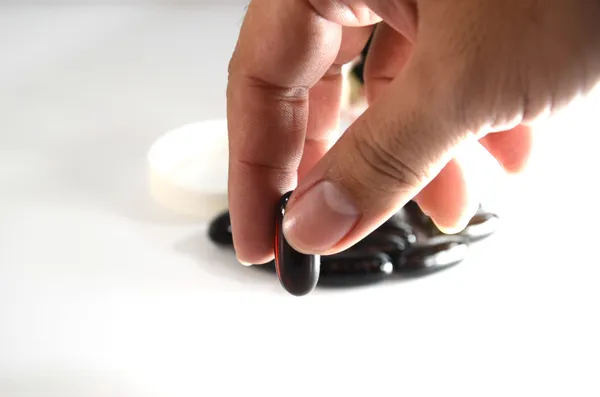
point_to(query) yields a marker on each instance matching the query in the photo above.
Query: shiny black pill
(398, 227)
(379, 241)
(351, 269)
(390, 248)
(415, 216)
(413, 208)
(481, 226)
(429, 258)
(269, 266)
(298, 273)
(219, 230)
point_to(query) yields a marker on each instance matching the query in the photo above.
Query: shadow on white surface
(220, 262)
(73, 382)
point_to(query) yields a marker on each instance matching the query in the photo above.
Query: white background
(102, 293)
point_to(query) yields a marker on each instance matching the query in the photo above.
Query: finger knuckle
(496, 99)
(389, 171)
(495, 89)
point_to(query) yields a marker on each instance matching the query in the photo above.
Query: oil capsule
(481, 226)
(429, 258)
(397, 226)
(351, 269)
(298, 273)
(416, 216)
(389, 249)
(378, 241)
(219, 230)
(269, 266)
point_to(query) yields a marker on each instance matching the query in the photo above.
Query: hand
(439, 73)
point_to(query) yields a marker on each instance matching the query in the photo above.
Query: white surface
(103, 293)
(187, 169)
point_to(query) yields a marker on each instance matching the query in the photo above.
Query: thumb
(383, 160)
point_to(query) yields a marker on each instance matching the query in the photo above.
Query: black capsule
(429, 258)
(397, 226)
(269, 266)
(389, 249)
(379, 241)
(415, 216)
(412, 207)
(358, 69)
(351, 269)
(219, 230)
(298, 273)
(481, 226)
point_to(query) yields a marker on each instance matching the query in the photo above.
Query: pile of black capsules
(406, 245)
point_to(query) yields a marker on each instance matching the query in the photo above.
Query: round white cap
(188, 169)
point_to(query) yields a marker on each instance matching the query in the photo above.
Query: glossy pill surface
(481, 226)
(429, 258)
(219, 230)
(398, 227)
(350, 269)
(379, 241)
(415, 216)
(298, 273)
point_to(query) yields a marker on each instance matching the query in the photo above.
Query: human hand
(439, 73)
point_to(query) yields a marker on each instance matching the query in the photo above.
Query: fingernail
(448, 229)
(244, 263)
(320, 218)
(458, 226)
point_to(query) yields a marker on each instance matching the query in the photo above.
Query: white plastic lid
(188, 169)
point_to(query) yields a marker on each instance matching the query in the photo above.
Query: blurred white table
(102, 293)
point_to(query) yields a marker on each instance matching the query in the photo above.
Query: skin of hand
(439, 73)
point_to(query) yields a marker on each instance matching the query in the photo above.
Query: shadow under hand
(50, 382)
(221, 262)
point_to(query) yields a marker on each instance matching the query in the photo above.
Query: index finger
(284, 48)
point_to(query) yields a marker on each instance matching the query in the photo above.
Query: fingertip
(457, 224)
(251, 258)
(253, 197)
(251, 252)
(253, 246)
(449, 199)
(512, 149)
(246, 264)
